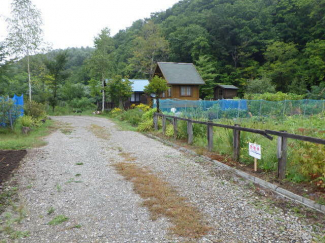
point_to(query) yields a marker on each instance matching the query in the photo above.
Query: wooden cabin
(182, 78)
(138, 96)
(223, 91)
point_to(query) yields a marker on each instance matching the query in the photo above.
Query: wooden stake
(255, 164)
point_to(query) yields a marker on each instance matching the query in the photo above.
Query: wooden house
(138, 96)
(223, 91)
(182, 78)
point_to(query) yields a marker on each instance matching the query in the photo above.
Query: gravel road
(102, 206)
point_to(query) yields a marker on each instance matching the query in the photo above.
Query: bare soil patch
(9, 160)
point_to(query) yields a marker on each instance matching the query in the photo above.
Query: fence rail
(281, 143)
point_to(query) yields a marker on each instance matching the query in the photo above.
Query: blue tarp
(233, 104)
(19, 101)
(18, 106)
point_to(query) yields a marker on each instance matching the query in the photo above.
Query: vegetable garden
(306, 161)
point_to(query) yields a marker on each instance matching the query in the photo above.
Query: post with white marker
(255, 151)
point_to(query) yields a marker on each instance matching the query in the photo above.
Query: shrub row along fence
(281, 143)
(10, 110)
(210, 110)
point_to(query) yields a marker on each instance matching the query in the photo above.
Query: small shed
(225, 91)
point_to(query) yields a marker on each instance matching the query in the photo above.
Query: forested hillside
(274, 45)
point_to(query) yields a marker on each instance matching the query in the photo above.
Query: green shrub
(133, 116)
(26, 121)
(279, 96)
(145, 126)
(9, 112)
(169, 130)
(82, 104)
(149, 114)
(34, 109)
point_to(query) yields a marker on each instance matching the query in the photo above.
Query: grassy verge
(123, 125)
(15, 140)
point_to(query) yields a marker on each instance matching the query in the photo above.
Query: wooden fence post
(155, 121)
(175, 127)
(189, 132)
(164, 124)
(210, 136)
(282, 156)
(236, 143)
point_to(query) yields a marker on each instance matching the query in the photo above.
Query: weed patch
(127, 156)
(58, 220)
(162, 200)
(50, 211)
(99, 131)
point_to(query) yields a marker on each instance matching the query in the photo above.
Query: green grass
(58, 220)
(50, 211)
(123, 125)
(15, 140)
(79, 163)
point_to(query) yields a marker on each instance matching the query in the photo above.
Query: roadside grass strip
(163, 201)
(99, 131)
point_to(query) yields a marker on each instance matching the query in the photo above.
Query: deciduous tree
(119, 89)
(101, 61)
(25, 32)
(156, 87)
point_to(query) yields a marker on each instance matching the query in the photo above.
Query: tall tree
(56, 69)
(101, 61)
(119, 90)
(25, 33)
(150, 47)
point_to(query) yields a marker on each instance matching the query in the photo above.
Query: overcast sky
(75, 23)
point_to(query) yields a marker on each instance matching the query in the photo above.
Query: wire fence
(218, 109)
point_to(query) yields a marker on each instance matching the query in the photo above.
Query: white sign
(255, 150)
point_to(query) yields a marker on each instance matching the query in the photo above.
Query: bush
(279, 96)
(116, 112)
(82, 104)
(145, 126)
(142, 107)
(146, 123)
(9, 112)
(133, 116)
(25, 121)
(35, 110)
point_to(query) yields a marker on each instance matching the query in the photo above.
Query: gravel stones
(108, 209)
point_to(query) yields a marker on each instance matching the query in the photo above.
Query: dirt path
(72, 176)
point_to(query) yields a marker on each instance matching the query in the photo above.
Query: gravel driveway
(73, 176)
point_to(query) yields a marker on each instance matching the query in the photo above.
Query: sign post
(255, 151)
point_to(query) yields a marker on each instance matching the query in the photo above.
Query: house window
(135, 97)
(186, 91)
(169, 92)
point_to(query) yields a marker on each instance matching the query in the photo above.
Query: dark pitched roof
(227, 86)
(180, 73)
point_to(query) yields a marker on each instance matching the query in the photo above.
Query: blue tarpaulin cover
(17, 111)
(19, 101)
